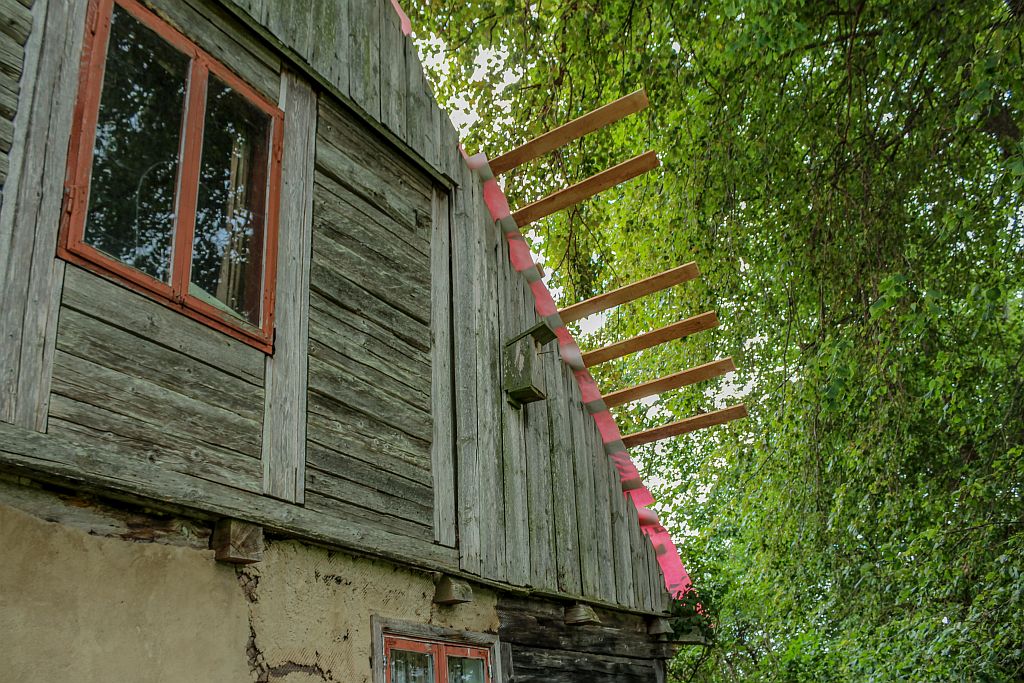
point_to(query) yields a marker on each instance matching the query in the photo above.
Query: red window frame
(71, 245)
(440, 650)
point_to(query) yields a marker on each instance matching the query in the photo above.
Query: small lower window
(405, 652)
(425, 661)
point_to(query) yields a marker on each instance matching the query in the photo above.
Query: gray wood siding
(370, 427)
(168, 389)
(40, 74)
(540, 503)
(151, 403)
(356, 50)
(544, 649)
(15, 26)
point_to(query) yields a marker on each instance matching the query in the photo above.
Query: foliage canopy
(848, 176)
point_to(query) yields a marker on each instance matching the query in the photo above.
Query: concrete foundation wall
(93, 599)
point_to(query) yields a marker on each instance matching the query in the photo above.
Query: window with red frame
(174, 174)
(425, 661)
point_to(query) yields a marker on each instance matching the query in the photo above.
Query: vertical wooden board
(541, 505)
(620, 539)
(602, 513)
(418, 103)
(465, 331)
(364, 55)
(30, 278)
(292, 22)
(649, 568)
(228, 41)
(538, 460)
(393, 81)
(443, 447)
(492, 401)
(448, 145)
(284, 422)
(656, 577)
(434, 155)
(330, 55)
(641, 583)
(583, 464)
(517, 520)
(563, 480)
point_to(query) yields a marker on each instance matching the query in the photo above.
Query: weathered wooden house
(269, 372)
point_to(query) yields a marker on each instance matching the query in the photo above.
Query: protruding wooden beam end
(237, 542)
(690, 424)
(685, 378)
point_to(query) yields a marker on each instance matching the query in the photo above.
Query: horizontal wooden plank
(577, 128)
(104, 300)
(630, 292)
(112, 347)
(15, 20)
(370, 498)
(331, 283)
(145, 442)
(347, 353)
(107, 467)
(370, 151)
(586, 188)
(685, 378)
(374, 471)
(378, 276)
(407, 363)
(347, 433)
(367, 520)
(526, 621)
(544, 665)
(338, 209)
(172, 414)
(327, 378)
(690, 424)
(9, 96)
(384, 437)
(12, 56)
(678, 330)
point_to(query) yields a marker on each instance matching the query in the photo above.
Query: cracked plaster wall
(96, 608)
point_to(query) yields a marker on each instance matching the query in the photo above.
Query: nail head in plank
(577, 128)
(631, 292)
(586, 188)
(690, 424)
(669, 382)
(683, 328)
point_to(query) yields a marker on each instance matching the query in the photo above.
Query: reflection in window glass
(135, 155)
(227, 258)
(411, 667)
(465, 670)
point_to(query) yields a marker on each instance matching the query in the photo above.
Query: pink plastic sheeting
(403, 18)
(676, 578)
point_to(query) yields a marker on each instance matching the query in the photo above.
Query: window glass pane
(227, 259)
(465, 670)
(135, 156)
(411, 667)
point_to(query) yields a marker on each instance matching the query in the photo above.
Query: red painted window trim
(440, 651)
(71, 245)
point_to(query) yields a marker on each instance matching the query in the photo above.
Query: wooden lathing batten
(577, 128)
(587, 188)
(631, 292)
(669, 382)
(683, 328)
(690, 424)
